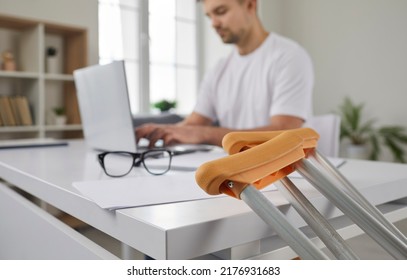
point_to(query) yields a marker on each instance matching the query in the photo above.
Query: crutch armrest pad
(258, 166)
(235, 142)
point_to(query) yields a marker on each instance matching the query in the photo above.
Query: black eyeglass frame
(138, 159)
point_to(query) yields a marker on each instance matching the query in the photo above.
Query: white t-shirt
(244, 91)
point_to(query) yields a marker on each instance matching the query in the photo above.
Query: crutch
(236, 142)
(260, 158)
(240, 141)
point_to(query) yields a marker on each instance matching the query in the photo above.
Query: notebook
(105, 110)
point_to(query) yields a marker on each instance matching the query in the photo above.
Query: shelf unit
(28, 40)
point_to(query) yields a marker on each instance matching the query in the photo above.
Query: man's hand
(198, 130)
(173, 134)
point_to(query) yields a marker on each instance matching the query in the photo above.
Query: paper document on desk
(148, 189)
(142, 191)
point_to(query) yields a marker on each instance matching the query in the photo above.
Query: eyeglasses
(119, 164)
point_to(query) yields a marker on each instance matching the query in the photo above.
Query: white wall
(359, 48)
(80, 13)
(270, 13)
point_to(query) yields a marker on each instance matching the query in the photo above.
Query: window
(157, 40)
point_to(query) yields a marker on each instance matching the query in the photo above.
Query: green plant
(165, 105)
(351, 123)
(59, 111)
(51, 51)
(363, 133)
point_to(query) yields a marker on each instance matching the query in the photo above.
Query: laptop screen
(104, 107)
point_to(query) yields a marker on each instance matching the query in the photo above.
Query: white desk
(179, 230)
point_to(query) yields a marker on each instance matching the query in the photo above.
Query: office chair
(328, 127)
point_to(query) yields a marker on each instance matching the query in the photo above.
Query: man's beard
(228, 36)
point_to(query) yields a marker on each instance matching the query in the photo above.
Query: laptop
(105, 111)
(105, 108)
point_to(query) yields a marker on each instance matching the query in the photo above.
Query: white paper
(142, 190)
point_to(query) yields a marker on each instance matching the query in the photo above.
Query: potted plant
(165, 105)
(363, 135)
(52, 63)
(60, 117)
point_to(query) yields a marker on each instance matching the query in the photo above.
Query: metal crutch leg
(321, 227)
(356, 195)
(273, 217)
(358, 214)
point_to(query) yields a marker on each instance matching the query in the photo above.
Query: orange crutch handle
(257, 158)
(235, 142)
(258, 166)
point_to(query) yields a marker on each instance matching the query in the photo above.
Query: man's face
(229, 18)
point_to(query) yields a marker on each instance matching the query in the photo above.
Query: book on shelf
(15, 111)
(24, 110)
(6, 111)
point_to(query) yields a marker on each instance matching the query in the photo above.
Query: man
(264, 84)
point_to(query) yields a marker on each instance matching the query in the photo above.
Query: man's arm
(181, 132)
(214, 135)
(196, 119)
(197, 129)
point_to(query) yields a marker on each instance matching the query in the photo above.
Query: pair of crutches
(257, 159)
